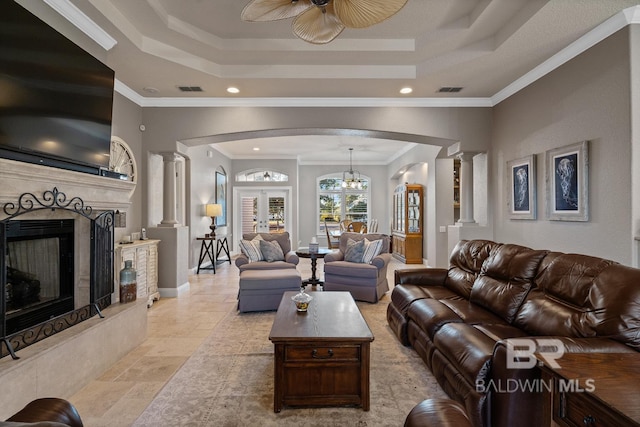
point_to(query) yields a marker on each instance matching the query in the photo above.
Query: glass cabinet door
(413, 211)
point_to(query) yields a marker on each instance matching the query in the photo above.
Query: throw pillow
(371, 250)
(271, 251)
(354, 251)
(251, 248)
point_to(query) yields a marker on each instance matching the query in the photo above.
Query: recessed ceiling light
(232, 89)
(256, 148)
(150, 89)
(406, 90)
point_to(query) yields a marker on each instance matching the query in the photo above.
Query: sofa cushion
(466, 263)
(349, 270)
(354, 251)
(264, 265)
(472, 314)
(371, 249)
(584, 296)
(430, 315)
(271, 251)
(251, 248)
(282, 238)
(506, 278)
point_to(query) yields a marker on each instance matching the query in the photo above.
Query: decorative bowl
(302, 301)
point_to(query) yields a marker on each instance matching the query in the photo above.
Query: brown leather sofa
(45, 412)
(460, 320)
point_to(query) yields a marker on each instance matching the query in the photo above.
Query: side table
(207, 251)
(305, 253)
(593, 389)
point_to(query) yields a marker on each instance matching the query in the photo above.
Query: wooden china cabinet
(406, 225)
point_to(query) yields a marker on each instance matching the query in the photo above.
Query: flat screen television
(56, 99)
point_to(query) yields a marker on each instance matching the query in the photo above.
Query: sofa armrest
(291, 258)
(421, 276)
(241, 259)
(381, 260)
(334, 256)
(49, 409)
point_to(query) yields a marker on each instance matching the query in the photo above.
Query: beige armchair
(367, 281)
(290, 260)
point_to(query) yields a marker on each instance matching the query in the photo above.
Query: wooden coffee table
(321, 356)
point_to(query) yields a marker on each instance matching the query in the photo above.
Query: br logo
(521, 352)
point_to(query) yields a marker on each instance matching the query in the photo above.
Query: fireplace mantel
(101, 193)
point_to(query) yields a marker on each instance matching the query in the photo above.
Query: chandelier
(351, 178)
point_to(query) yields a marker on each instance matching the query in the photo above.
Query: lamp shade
(213, 210)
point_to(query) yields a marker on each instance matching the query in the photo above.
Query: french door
(261, 210)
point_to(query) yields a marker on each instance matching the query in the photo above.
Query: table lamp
(213, 210)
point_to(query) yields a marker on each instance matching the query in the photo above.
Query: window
(336, 203)
(261, 175)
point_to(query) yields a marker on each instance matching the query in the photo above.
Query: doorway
(262, 210)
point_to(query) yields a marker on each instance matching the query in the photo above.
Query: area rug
(228, 381)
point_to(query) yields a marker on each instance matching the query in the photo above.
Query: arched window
(261, 175)
(337, 202)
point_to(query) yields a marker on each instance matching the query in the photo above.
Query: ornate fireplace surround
(101, 268)
(39, 192)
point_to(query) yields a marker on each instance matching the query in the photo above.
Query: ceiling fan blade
(317, 25)
(273, 10)
(364, 13)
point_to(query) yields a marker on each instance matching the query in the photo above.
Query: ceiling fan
(320, 21)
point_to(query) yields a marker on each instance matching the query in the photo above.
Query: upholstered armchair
(289, 258)
(349, 269)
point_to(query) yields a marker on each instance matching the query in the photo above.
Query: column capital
(170, 156)
(466, 155)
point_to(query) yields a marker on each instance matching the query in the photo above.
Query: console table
(207, 251)
(594, 389)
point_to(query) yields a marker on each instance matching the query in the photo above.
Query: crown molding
(617, 22)
(298, 102)
(625, 17)
(85, 24)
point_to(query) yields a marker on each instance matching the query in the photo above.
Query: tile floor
(177, 326)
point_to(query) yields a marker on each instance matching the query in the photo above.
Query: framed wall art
(522, 188)
(568, 182)
(221, 198)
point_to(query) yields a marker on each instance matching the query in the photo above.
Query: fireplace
(40, 282)
(44, 291)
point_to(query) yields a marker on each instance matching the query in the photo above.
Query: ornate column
(466, 188)
(169, 190)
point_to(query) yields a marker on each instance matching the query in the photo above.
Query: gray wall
(173, 129)
(202, 164)
(127, 117)
(585, 99)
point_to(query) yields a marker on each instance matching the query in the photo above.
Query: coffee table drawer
(322, 353)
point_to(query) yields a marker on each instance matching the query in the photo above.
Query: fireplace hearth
(39, 295)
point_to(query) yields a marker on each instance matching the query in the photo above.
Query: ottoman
(261, 290)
